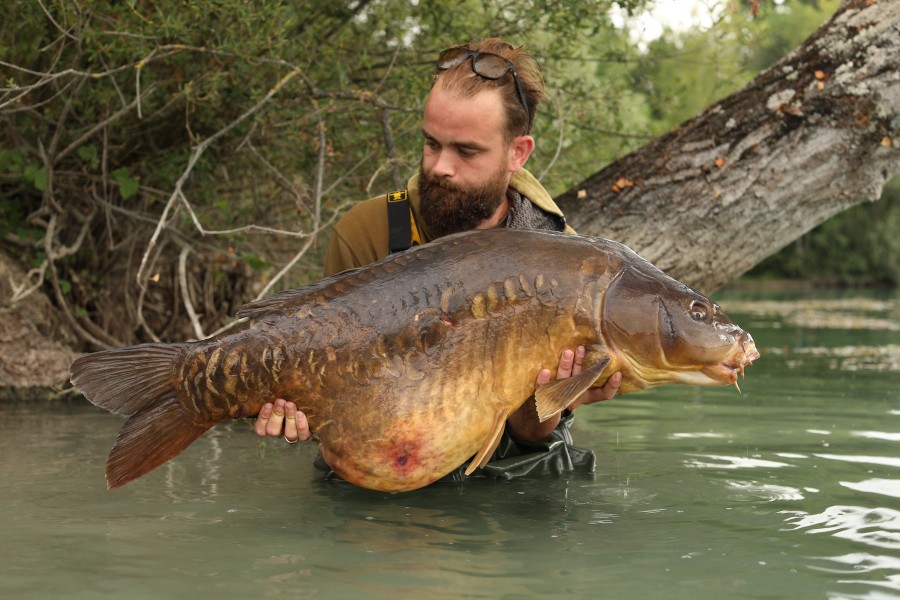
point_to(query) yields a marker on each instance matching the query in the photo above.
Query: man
(476, 127)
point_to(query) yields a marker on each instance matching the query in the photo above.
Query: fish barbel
(408, 367)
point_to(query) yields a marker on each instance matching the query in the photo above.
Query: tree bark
(811, 136)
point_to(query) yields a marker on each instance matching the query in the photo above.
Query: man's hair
(461, 79)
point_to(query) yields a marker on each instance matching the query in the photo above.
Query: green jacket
(361, 236)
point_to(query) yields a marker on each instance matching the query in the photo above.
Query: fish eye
(698, 311)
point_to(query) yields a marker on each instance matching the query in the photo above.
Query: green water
(789, 490)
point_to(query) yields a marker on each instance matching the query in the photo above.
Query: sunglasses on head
(487, 65)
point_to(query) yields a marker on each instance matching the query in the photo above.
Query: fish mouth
(728, 370)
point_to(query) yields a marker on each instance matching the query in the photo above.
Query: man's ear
(519, 151)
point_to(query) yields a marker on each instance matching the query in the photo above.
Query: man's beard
(448, 209)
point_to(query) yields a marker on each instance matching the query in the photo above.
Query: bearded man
(476, 131)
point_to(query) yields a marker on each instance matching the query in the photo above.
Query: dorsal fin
(336, 285)
(293, 299)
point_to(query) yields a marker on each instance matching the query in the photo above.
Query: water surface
(788, 490)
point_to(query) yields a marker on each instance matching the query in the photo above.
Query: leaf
(37, 176)
(40, 179)
(89, 155)
(128, 185)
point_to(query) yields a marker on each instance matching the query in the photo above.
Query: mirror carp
(408, 367)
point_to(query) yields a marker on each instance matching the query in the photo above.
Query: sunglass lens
(450, 57)
(491, 66)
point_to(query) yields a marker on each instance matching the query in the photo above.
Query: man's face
(466, 162)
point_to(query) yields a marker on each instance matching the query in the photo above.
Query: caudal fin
(151, 437)
(138, 382)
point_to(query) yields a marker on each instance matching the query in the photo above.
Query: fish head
(665, 332)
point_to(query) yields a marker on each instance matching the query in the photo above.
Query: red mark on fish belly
(403, 457)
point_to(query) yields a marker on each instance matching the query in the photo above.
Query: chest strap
(402, 231)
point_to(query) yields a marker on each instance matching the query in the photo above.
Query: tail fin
(138, 382)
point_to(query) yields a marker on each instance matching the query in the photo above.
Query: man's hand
(282, 418)
(524, 424)
(570, 365)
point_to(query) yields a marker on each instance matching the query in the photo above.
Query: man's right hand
(282, 418)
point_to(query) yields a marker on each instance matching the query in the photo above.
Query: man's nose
(444, 165)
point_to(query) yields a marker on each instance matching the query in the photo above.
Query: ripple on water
(878, 527)
(875, 528)
(753, 491)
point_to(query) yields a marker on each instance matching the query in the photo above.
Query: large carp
(410, 366)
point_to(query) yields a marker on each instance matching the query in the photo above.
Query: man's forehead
(465, 118)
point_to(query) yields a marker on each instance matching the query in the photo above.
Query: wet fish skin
(408, 367)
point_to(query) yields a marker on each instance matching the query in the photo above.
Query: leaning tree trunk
(813, 135)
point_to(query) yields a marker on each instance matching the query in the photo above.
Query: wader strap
(401, 232)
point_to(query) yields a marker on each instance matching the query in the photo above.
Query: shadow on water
(791, 489)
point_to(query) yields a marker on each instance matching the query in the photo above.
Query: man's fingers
(302, 426)
(607, 392)
(577, 360)
(566, 363)
(290, 422)
(262, 419)
(543, 377)
(276, 422)
(282, 418)
(611, 387)
(296, 427)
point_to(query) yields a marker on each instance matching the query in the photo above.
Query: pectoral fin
(490, 444)
(553, 397)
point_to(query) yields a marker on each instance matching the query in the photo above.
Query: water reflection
(888, 461)
(708, 461)
(887, 487)
(846, 358)
(822, 313)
